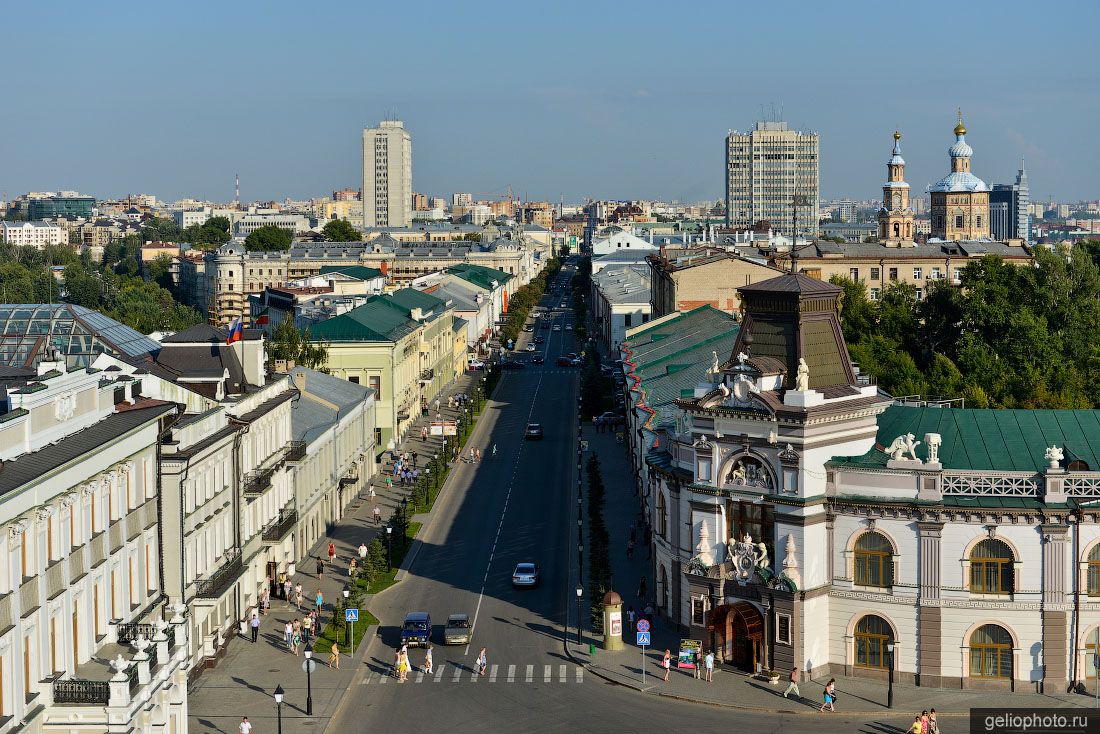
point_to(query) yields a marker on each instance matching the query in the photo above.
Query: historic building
(802, 518)
(960, 200)
(895, 218)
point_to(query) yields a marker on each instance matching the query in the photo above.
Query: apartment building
(682, 279)
(387, 175)
(772, 174)
(32, 234)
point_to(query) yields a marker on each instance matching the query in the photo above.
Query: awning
(403, 415)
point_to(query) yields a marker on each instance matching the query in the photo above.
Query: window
(874, 294)
(893, 273)
(662, 515)
(958, 221)
(957, 274)
(919, 294)
(991, 652)
(874, 563)
(626, 320)
(783, 628)
(853, 274)
(936, 274)
(374, 382)
(874, 273)
(354, 379)
(978, 221)
(991, 568)
(918, 273)
(873, 634)
(1092, 648)
(1094, 571)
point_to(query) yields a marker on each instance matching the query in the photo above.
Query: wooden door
(76, 642)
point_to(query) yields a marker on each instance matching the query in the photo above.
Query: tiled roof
(361, 272)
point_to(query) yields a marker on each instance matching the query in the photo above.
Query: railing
(129, 631)
(282, 525)
(132, 676)
(256, 482)
(296, 451)
(350, 478)
(152, 652)
(170, 633)
(79, 691)
(220, 580)
(983, 485)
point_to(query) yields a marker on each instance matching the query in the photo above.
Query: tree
(160, 229)
(83, 288)
(268, 239)
(472, 237)
(857, 313)
(340, 230)
(288, 344)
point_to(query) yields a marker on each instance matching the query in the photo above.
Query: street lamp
(890, 688)
(580, 594)
(347, 632)
(389, 561)
(309, 682)
(713, 624)
(279, 706)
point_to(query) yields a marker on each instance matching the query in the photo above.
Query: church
(803, 518)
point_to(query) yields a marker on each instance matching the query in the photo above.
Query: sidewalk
(734, 688)
(243, 681)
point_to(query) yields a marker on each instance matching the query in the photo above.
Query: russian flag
(236, 331)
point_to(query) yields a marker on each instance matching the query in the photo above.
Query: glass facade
(60, 206)
(79, 333)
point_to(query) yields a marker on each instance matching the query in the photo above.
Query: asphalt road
(519, 507)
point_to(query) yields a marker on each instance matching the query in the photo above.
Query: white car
(476, 364)
(569, 327)
(531, 347)
(557, 327)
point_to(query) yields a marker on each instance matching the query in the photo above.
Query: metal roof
(79, 333)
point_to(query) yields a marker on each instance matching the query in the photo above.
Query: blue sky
(624, 100)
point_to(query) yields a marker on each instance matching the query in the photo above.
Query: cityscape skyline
(546, 125)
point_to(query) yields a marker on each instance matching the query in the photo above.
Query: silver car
(459, 630)
(526, 575)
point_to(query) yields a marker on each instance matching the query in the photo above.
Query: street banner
(688, 650)
(616, 624)
(444, 428)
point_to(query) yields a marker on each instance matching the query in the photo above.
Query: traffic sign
(309, 665)
(351, 615)
(643, 625)
(643, 638)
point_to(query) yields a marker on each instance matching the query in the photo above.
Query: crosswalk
(449, 672)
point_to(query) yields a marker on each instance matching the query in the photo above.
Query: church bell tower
(895, 217)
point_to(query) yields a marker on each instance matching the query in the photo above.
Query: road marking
(561, 673)
(580, 675)
(511, 673)
(457, 675)
(366, 681)
(420, 676)
(382, 679)
(546, 674)
(492, 674)
(439, 673)
(530, 673)
(474, 676)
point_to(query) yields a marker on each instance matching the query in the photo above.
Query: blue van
(416, 630)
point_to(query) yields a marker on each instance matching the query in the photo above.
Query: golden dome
(897, 135)
(960, 129)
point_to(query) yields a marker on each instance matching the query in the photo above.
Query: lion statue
(903, 445)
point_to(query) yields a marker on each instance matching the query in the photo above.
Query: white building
(293, 223)
(766, 169)
(387, 175)
(617, 239)
(620, 301)
(86, 642)
(32, 234)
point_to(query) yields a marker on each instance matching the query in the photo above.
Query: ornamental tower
(960, 201)
(895, 217)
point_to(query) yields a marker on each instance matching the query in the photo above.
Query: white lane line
(511, 674)
(580, 675)
(420, 677)
(492, 674)
(561, 673)
(457, 675)
(530, 673)
(546, 674)
(439, 673)
(383, 679)
(474, 676)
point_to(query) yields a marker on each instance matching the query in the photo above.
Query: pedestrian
(297, 639)
(708, 662)
(288, 593)
(255, 624)
(307, 629)
(437, 405)
(482, 662)
(288, 634)
(377, 515)
(916, 727)
(372, 492)
(403, 667)
(245, 726)
(829, 697)
(320, 567)
(298, 596)
(666, 663)
(477, 455)
(397, 663)
(793, 684)
(630, 616)
(697, 663)
(924, 722)
(641, 589)
(353, 567)
(414, 455)
(389, 484)
(319, 600)
(331, 551)
(266, 601)
(334, 657)
(933, 725)
(363, 551)
(428, 660)
(471, 455)
(630, 549)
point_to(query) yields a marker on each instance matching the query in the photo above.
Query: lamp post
(713, 624)
(309, 682)
(580, 595)
(389, 561)
(349, 636)
(890, 685)
(279, 692)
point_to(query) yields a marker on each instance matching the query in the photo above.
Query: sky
(559, 100)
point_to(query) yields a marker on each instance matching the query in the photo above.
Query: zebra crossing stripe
(546, 674)
(382, 678)
(492, 674)
(473, 676)
(561, 673)
(580, 674)
(439, 673)
(511, 674)
(457, 675)
(420, 676)
(530, 673)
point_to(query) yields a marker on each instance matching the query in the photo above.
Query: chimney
(250, 352)
(300, 381)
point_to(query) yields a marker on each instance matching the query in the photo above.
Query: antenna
(237, 189)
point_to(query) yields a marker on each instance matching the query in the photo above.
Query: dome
(960, 129)
(611, 598)
(896, 159)
(960, 149)
(960, 182)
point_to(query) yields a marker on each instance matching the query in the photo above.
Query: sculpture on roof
(1054, 455)
(903, 445)
(802, 378)
(762, 556)
(714, 363)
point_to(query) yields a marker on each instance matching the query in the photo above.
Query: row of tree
(525, 298)
(214, 232)
(599, 544)
(1009, 337)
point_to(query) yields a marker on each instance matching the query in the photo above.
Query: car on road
(526, 575)
(545, 325)
(538, 358)
(539, 340)
(458, 631)
(416, 630)
(564, 362)
(569, 327)
(530, 347)
(510, 365)
(533, 431)
(557, 327)
(528, 327)
(608, 417)
(476, 364)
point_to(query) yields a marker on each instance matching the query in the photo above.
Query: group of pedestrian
(402, 666)
(297, 632)
(404, 469)
(459, 400)
(925, 723)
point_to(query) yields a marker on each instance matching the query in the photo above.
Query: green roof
(377, 320)
(480, 275)
(410, 298)
(360, 272)
(988, 439)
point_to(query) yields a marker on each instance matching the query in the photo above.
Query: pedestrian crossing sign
(351, 615)
(643, 639)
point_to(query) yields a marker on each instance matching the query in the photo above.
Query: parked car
(530, 347)
(416, 630)
(511, 365)
(564, 362)
(539, 340)
(526, 575)
(557, 327)
(607, 417)
(569, 327)
(538, 358)
(528, 327)
(533, 431)
(476, 364)
(458, 631)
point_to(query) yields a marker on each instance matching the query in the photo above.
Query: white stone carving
(703, 550)
(140, 644)
(762, 556)
(903, 445)
(177, 613)
(69, 500)
(1054, 455)
(120, 664)
(17, 528)
(790, 562)
(725, 391)
(714, 363)
(743, 553)
(64, 406)
(741, 357)
(43, 514)
(802, 377)
(932, 442)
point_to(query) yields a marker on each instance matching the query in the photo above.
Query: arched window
(662, 588)
(662, 515)
(897, 229)
(873, 634)
(1092, 648)
(990, 652)
(1094, 571)
(874, 561)
(991, 568)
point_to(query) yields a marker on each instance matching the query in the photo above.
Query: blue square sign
(351, 615)
(643, 638)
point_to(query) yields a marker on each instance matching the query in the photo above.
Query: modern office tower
(387, 175)
(768, 171)
(1010, 209)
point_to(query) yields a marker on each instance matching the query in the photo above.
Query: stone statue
(741, 357)
(904, 445)
(703, 550)
(724, 390)
(737, 474)
(802, 378)
(762, 556)
(790, 562)
(714, 363)
(1054, 455)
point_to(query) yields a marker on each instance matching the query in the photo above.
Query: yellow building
(960, 201)
(895, 218)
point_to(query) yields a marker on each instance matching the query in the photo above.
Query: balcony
(79, 691)
(283, 524)
(217, 583)
(427, 375)
(350, 478)
(296, 451)
(255, 482)
(127, 632)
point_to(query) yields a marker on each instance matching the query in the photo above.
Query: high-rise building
(1010, 209)
(895, 217)
(462, 199)
(387, 175)
(772, 173)
(846, 210)
(960, 200)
